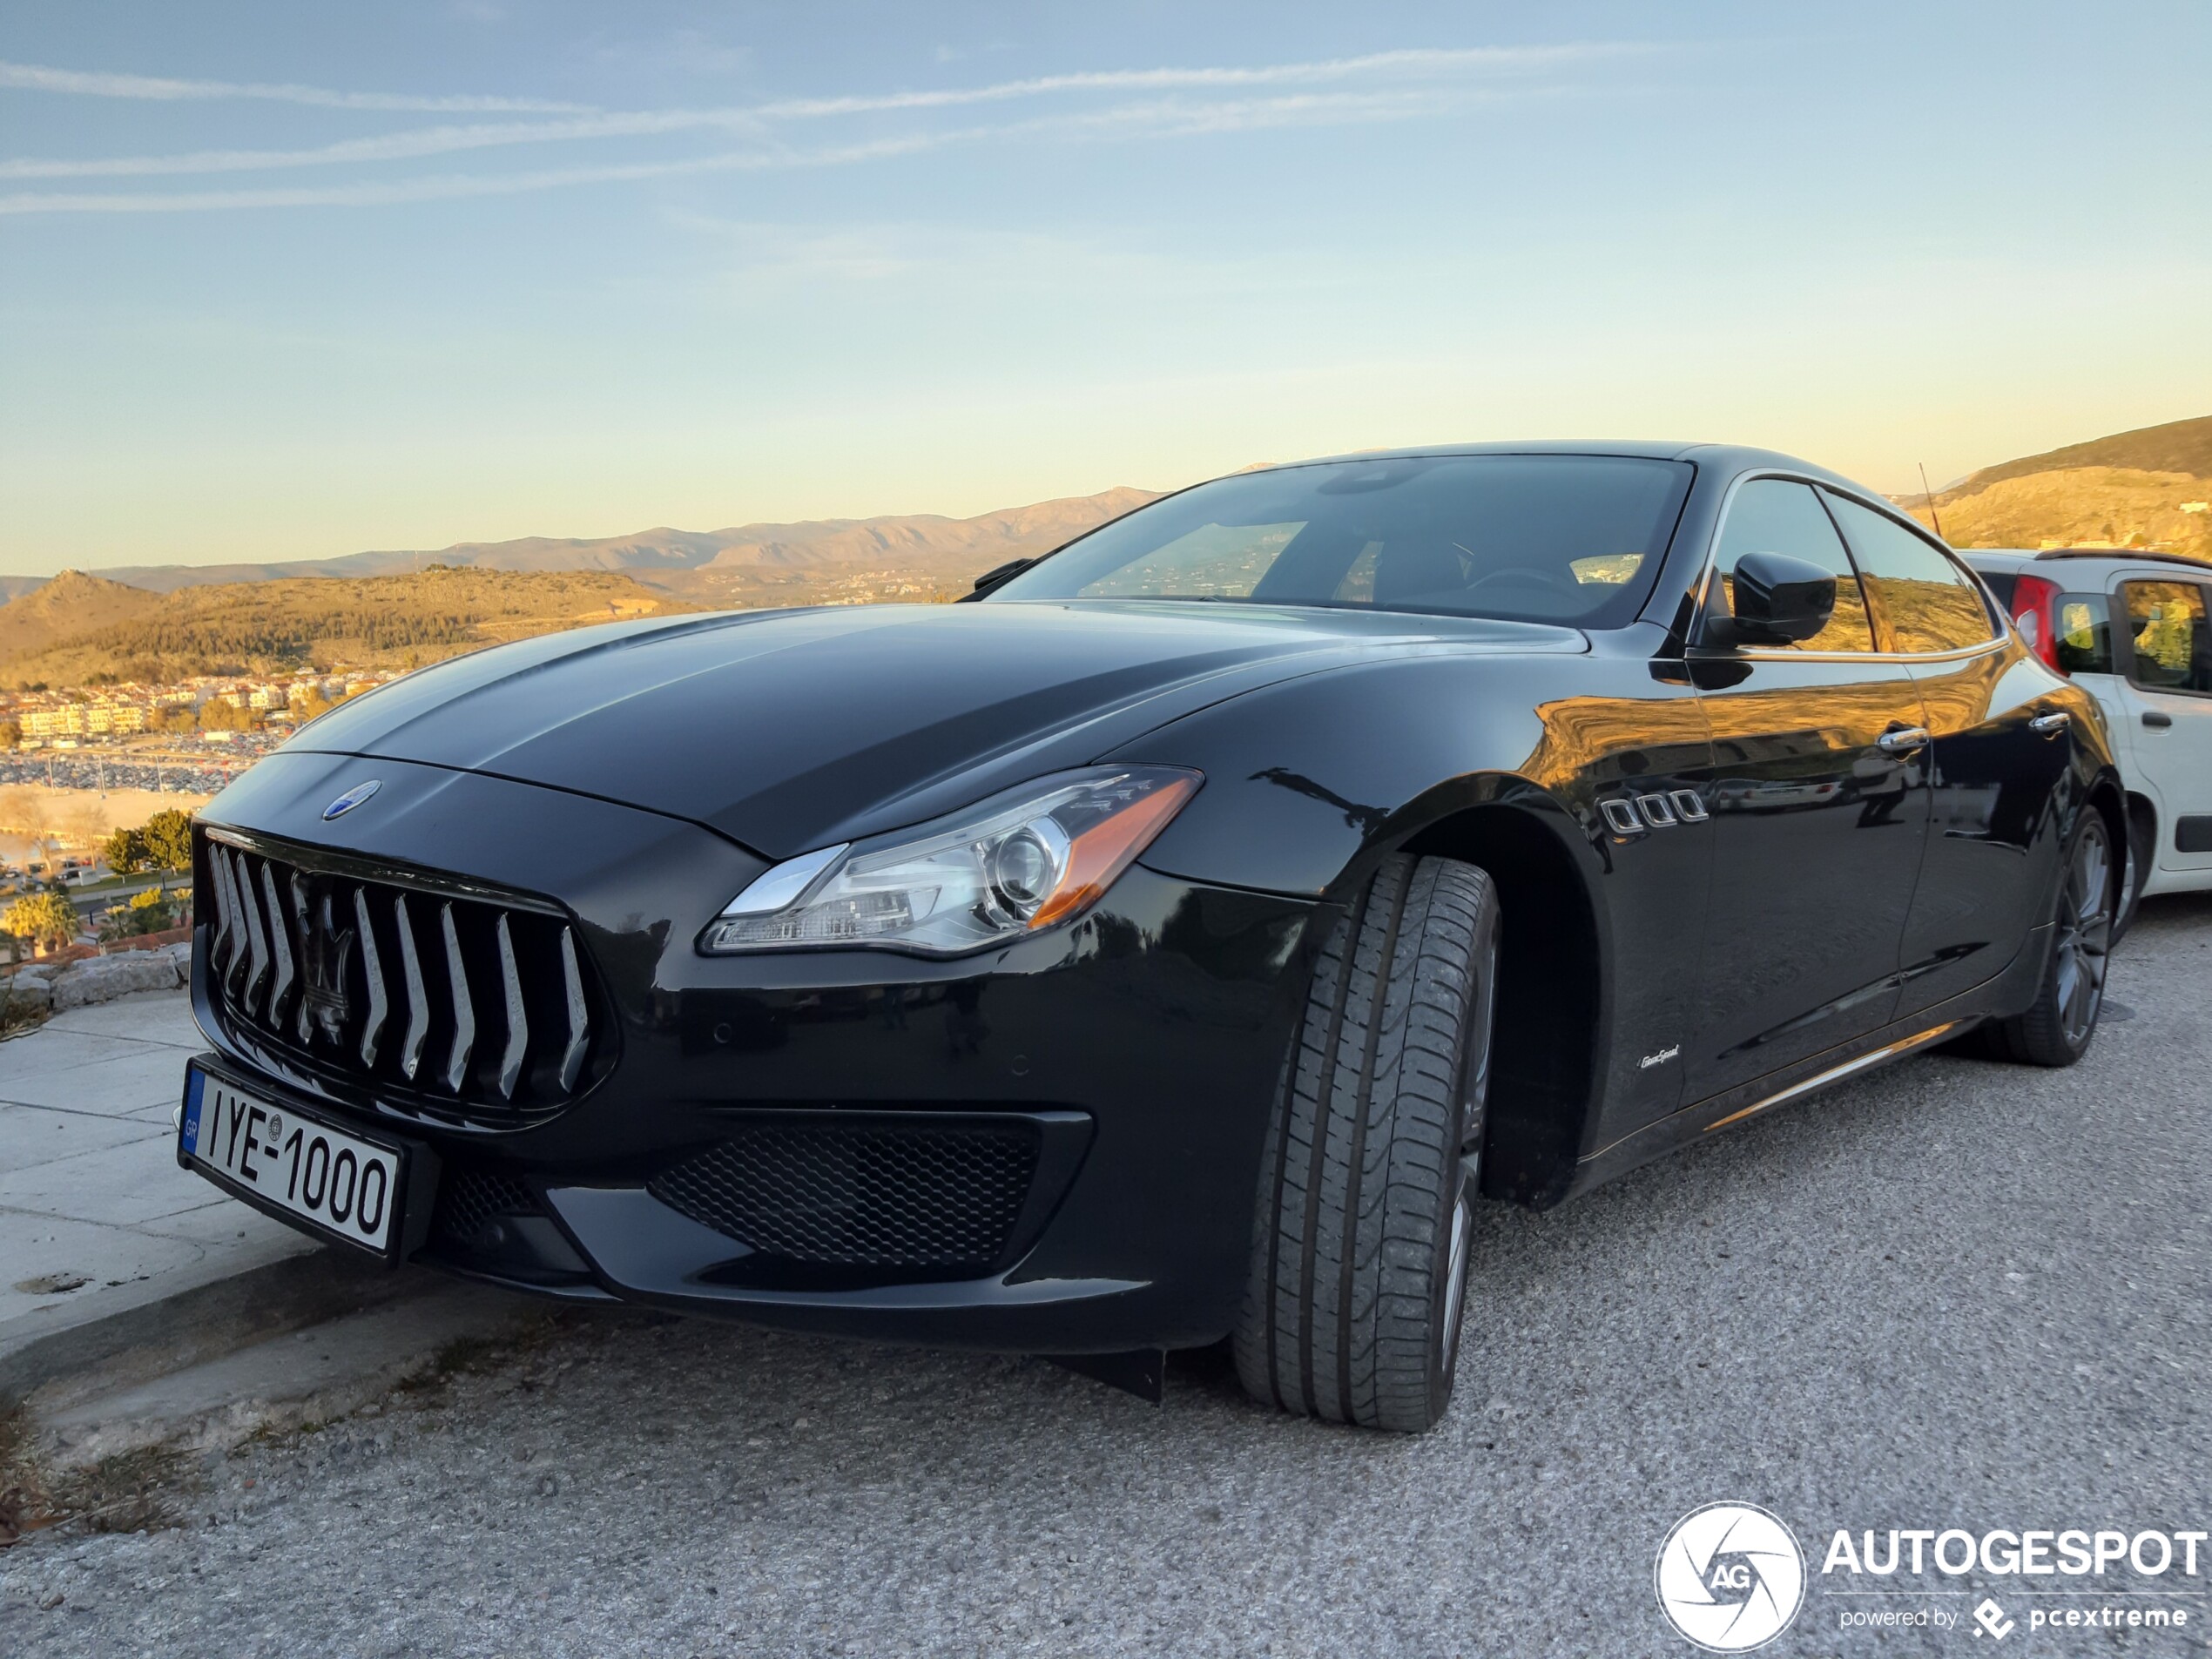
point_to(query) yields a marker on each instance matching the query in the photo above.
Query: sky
(285, 281)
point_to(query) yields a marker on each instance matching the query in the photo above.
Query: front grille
(469, 1200)
(459, 1010)
(942, 1199)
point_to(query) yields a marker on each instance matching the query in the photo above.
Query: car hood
(788, 730)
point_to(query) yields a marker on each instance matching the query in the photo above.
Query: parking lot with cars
(1950, 1294)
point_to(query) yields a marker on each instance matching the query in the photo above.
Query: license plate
(337, 1183)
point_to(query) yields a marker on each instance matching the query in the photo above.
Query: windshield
(1573, 539)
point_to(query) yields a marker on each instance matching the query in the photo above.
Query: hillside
(267, 627)
(70, 604)
(2125, 490)
(2080, 506)
(955, 547)
(2179, 446)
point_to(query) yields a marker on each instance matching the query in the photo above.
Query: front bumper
(1134, 1055)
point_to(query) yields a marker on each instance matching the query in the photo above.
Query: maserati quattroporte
(1169, 943)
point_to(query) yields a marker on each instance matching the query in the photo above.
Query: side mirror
(1778, 600)
(997, 573)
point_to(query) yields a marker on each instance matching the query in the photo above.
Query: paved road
(1953, 1294)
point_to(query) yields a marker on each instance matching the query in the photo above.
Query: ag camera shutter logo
(1730, 1577)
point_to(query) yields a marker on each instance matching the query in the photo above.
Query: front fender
(1311, 782)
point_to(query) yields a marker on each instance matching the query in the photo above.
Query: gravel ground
(1951, 1294)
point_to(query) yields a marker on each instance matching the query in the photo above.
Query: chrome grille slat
(579, 1012)
(233, 970)
(225, 917)
(324, 968)
(518, 1024)
(257, 942)
(301, 1022)
(418, 1000)
(379, 1005)
(464, 1011)
(281, 943)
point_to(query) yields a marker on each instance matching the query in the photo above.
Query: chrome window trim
(1701, 585)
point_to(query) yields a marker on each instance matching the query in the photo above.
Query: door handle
(2050, 726)
(2157, 721)
(1902, 741)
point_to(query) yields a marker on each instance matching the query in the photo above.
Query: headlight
(1018, 862)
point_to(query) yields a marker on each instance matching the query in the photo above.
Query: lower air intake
(922, 1198)
(470, 1200)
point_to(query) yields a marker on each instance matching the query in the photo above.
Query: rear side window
(2165, 625)
(1775, 516)
(2084, 633)
(1923, 601)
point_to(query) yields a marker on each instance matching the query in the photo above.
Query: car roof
(1729, 458)
(2015, 559)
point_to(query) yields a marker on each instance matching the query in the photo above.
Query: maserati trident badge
(351, 798)
(326, 946)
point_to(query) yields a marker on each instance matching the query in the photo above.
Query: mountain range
(667, 557)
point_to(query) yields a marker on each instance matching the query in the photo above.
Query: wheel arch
(1548, 1036)
(2116, 807)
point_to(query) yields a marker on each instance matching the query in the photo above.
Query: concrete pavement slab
(46, 1052)
(90, 1194)
(126, 1185)
(152, 1017)
(122, 1078)
(219, 1221)
(92, 1258)
(33, 1135)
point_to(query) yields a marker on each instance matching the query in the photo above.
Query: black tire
(2060, 1027)
(1352, 1307)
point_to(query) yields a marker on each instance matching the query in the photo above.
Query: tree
(125, 851)
(10, 733)
(167, 836)
(44, 919)
(150, 912)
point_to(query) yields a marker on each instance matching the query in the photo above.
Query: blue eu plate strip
(195, 1086)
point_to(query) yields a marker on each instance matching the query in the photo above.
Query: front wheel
(1359, 1268)
(2057, 1029)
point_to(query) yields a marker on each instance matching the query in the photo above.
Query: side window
(1923, 601)
(1775, 516)
(2084, 633)
(2165, 620)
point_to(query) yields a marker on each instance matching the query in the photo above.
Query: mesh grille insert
(468, 1199)
(874, 1196)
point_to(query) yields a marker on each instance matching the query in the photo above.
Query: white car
(2151, 674)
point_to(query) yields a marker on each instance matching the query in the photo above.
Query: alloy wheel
(2085, 935)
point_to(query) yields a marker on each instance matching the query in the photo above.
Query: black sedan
(1171, 943)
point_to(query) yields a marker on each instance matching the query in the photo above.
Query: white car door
(2166, 689)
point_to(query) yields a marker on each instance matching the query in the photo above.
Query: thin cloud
(1158, 118)
(1425, 60)
(453, 186)
(1418, 81)
(39, 77)
(410, 146)
(1417, 63)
